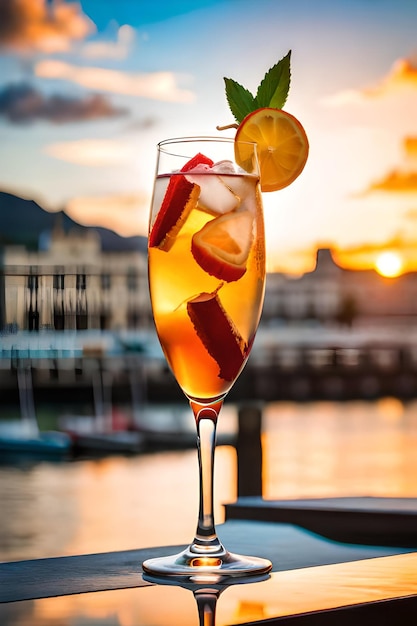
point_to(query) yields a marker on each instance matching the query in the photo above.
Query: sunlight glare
(389, 264)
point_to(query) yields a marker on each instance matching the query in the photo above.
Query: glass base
(200, 568)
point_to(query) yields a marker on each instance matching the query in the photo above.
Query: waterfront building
(332, 294)
(70, 283)
(310, 343)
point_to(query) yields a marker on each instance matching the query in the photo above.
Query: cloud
(127, 214)
(118, 49)
(94, 152)
(142, 124)
(342, 98)
(400, 179)
(365, 256)
(410, 148)
(22, 103)
(411, 216)
(402, 76)
(397, 181)
(40, 25)
(156, 86)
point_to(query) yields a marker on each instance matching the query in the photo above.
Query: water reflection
(330, 448)
(118, 503)
(107, 504)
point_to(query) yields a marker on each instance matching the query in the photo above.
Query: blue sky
(87, 90)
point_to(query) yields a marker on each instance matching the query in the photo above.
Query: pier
(285, 364)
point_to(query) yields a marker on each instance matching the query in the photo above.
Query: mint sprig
(241, 101)
(272, 91)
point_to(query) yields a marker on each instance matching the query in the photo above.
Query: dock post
(249, 451)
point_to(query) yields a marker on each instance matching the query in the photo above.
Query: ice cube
(224, 167)
(216, 197)
(200, 168)
(243, 187)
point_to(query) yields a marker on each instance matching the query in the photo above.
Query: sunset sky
(87, 89)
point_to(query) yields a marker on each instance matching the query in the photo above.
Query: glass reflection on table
(284, 593)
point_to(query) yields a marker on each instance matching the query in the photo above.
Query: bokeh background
(88, 88)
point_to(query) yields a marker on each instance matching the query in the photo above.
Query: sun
(389, 264)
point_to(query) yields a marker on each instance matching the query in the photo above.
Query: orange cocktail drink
(207, 279)
(206, 261)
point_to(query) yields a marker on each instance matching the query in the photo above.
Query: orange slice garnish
(282, 146)
(222, 246)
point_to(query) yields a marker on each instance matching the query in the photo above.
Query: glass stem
(206, 541)
(206, 603)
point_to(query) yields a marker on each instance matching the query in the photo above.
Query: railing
(299, 373)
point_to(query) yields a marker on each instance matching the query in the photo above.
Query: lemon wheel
(282, 146)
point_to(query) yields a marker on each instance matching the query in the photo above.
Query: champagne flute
(206, 264)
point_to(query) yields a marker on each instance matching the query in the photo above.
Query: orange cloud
(411, 215)
(365, 257)
(410, 147)
(401, 179)
(402, 75)
(396, 181)
(126, 215)
(27, 25)
(156, 86)
(94, 152)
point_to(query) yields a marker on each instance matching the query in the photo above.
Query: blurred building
(332, 294)
(305, 347)
(73, 284)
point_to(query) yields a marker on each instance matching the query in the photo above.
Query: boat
(90, 434)
(23, 436)
(104, 432)
(165, 426)
(16, 438)
(173, 427)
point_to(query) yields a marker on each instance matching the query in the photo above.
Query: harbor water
(125, 502)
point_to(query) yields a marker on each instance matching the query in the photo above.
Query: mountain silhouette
(22, 222)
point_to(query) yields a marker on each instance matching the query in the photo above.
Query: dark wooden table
(315, 580)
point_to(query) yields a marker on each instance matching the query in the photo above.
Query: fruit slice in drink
(217, 332)
(222, 246)
(180, 198)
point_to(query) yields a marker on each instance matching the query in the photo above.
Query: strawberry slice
(222, 246)
(219, 335)
(198, 159)
(180, 198)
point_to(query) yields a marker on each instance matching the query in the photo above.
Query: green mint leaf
(241, 101)
(274, 88)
